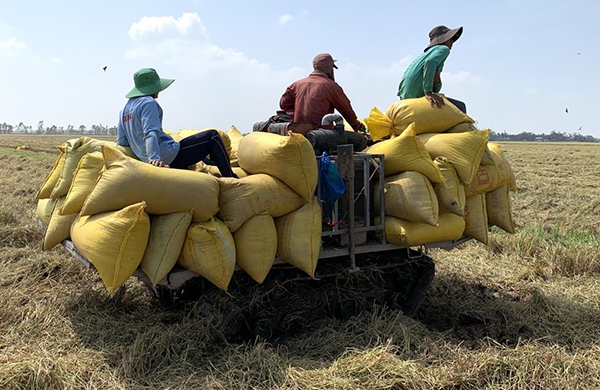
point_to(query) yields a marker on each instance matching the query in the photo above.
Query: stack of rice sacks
(122, 214)
(443, 179)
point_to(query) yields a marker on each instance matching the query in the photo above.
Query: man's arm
(121, 137)
(432, 82)
(287, 101)
(151, 127)
(342, 104)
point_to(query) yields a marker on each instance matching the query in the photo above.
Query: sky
(519, 65)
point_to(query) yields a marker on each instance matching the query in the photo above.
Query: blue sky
(518, 66)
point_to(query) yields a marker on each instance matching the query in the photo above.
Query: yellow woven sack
(290, 159)
(74, 151)
(486, 179)
(240, 199)
(499, 209)
(476, 218)
(451, 193)
(114, 242)
(85, 177)
(299, 237)
(405, 233)
(505, 171)
(53, 177)
(127, 181)
(234, 136)
(209, 251)
(424, 117)
(406, 153)
(167, 234)
(59, 226)
(44, 209)
(379, 124)
(410, 196)
(463, 150)
(256, 246)
(462, 127)
(214, 170)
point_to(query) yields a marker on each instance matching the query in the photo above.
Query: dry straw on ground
(522, 313)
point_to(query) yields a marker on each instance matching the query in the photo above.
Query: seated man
(140, 127)
(317, 95)
(423, 76)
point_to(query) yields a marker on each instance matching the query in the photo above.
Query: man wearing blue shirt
(140, 127)
(422, 77)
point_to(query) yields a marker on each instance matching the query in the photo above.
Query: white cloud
(529, 91)
(12, 48)
(166, 27)
(285, 19)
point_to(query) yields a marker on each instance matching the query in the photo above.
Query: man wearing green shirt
(422, 77)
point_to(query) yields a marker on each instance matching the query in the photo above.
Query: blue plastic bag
(332, 185)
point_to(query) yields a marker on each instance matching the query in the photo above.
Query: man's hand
(158, 163)
(436, 100)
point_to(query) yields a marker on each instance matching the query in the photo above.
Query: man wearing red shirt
(317, 95)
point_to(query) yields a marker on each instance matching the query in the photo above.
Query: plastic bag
(332, 185)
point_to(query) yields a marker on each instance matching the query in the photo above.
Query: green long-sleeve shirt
(418, 77)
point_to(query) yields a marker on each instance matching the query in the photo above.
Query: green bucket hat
(147, 83)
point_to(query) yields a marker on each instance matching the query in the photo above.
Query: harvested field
(521, 313)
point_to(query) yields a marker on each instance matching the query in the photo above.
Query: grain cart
(357, 269)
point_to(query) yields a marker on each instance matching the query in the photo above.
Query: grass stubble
(521, 313)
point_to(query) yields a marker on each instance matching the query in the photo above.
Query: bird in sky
(578, 54)
(104, 68)
(567, 110)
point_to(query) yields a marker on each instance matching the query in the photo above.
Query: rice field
(520, 313)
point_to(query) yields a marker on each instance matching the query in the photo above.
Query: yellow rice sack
(240, 199)
(406, 233)
(299, 237)
(290, 159)
(74, 150)
(406, 153)
(214, 170)
(167, 234)
(114, 242)
(379, 125)
(505, 171)
(256, 246)
(410, 196)
(476, 218)
(450, 194)
(59, 226)
(44, 209)
(209, 251)
(462, 127)
(499, 209)
(235, 136)
(224, 136)
(85, 177)
(53, 177)
(127, 181)
(486, 179)
(463, 150)
(424, 117)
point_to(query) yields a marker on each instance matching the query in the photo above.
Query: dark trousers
(196, 147)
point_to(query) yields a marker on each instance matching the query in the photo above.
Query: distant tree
(82, 129)
(21, 128)
(40, 127)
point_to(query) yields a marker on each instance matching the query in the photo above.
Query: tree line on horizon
(101, 129)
